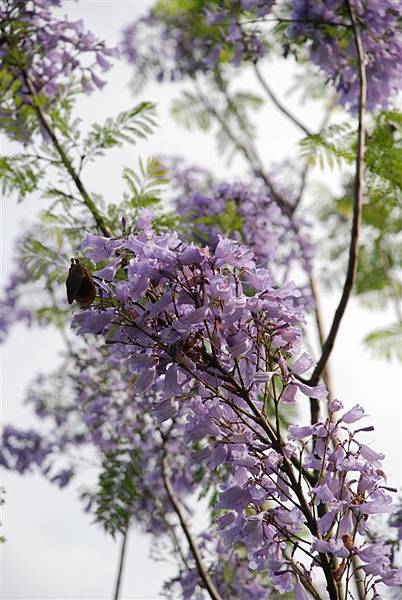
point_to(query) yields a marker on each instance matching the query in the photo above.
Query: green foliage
(384, 148)
(193, 110)
(334, 145)
(43, 258)
(117, 489)
(52, 315)
(16, 117)
(275, 595)
(378, 274)
(144, 186)
(190, 112)
(386, 342)
(229, 221)
(39, 259)
(128, 127)
(20, 174)
(44, 254)
(178, 7)
(308, 82)
(235, 113)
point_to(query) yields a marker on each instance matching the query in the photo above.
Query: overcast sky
(53, 552)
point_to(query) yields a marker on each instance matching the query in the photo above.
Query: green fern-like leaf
(190, 112)
(117, 489)
(331, 147)
(128, 127)
(144, 185)
(386, 342)
(19, 174)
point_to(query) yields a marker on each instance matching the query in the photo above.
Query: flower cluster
(41, 51)
(25, 447)
(191, 289)
(352, 486)
(213, 334)
(90, 402)
(326, 31)
(201, 356)
(200, 348)
(235, 32)
(247, 213)
(204, 37)
(231, 572)
(10, 311)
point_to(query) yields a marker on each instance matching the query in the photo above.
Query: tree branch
(357, 205)
(195, 551)
(44, 120)
(121, 564)
(250, 154)
(278, 103)
(326, 375)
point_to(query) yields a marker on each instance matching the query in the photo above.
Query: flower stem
(195, 551)
(357, 203)
(278, 103)
(122, 556)
(44, 121)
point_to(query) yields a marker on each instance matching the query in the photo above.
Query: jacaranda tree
(190, 294)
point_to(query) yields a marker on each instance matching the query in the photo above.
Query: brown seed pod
(80, 286)
(348, 542)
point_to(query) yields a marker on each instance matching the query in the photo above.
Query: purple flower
(302, 364)
(213, 57)
(235, 497)
(52, 50)
(145, 380)
(229, 252)
(92, 321)
(370, 454)
(298, 433)
(333, 48)
(318, 391)
(335, 547)
(392, 577)
(354, 414)
(289, 394)
(335, 406)
(196, 336)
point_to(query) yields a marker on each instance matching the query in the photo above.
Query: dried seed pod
(80, 286)
(348, 542)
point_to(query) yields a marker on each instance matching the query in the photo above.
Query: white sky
(53, 552)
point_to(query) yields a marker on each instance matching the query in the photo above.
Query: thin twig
(314, 403)
(249, 154)
(315, 22)
(44, 120)
(303, 578)
(195, 551)
(278, 103)
(122, 556)
(361, 592)
(357, 206)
